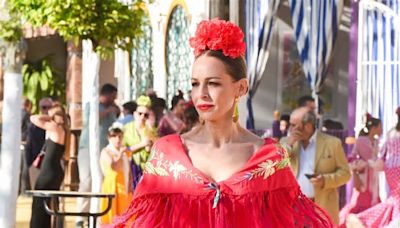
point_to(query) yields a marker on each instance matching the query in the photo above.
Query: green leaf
(44, 83)
(104, 22)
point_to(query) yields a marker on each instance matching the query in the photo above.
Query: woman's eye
(194, 84)
(214, 83)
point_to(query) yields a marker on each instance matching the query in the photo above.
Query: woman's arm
(43, 121)
(105, 161)
(137, 147)
(377, 165)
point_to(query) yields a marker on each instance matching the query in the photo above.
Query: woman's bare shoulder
(192, 135)
(249, 137)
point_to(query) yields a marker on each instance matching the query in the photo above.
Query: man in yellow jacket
(317, 160)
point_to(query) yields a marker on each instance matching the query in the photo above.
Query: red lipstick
(204, 107)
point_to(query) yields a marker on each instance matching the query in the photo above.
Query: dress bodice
(264, 193)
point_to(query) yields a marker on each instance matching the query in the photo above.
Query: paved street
(24, 205)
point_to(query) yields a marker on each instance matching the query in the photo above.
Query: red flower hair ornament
(218, 35)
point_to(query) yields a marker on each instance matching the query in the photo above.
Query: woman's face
(283, 125)
(116, 140)
(377, 130)
(142, 114)
(180, 106)
(214, 90)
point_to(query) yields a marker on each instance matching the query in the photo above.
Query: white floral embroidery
(176, 168)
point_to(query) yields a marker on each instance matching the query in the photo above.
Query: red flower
(218, 35)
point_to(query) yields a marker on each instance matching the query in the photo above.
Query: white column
(10, 148)
(122, 73)
(159, 70)
(91, 72)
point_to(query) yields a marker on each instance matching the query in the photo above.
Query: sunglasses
(145, 114)
(45, 107)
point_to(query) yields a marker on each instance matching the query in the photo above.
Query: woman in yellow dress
(115, 166)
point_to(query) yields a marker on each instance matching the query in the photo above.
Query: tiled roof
(32, 32)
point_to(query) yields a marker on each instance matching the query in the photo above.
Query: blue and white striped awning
(260, 23)
(378, 73)
(315, 23)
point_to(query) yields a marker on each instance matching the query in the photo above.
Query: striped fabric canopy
(315, 23)
(260, 21)
(378, 73)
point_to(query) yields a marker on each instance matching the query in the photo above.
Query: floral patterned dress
(264, 193)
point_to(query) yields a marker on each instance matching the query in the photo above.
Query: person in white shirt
(317, 160)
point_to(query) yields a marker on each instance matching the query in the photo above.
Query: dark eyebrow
(208, 78)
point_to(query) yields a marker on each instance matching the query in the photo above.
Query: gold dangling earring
(235, 115)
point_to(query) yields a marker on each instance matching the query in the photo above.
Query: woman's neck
(139, 125)
(220, 132)
(113, 148)
(176, 113)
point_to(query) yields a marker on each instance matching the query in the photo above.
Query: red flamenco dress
(264, 193)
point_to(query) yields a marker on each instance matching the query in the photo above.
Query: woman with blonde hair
(139, 137)
(51, 173)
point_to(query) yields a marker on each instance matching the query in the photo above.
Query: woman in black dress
(51, 173)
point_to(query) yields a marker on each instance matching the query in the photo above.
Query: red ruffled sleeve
(263, 194)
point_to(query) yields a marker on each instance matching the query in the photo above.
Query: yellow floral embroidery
(155, 170)
(264, 169)
(269, 167)
(283, 151)
(160, 166)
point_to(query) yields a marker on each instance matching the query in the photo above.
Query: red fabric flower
(218, 35)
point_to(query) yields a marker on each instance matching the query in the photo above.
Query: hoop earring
(235, 115)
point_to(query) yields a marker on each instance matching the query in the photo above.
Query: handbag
(37, 163)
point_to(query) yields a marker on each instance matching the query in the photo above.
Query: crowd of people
(193, 165)
(366, 207)
(126, 139)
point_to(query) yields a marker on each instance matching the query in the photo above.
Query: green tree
(40, 80)
(108, 24)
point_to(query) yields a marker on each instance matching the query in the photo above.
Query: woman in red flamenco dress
(219, 174)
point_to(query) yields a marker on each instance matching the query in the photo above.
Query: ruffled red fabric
(249, 198)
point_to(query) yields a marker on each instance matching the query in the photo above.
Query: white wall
(159, 13)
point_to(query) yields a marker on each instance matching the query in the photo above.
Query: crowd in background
(374, 165)
(127, 135)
